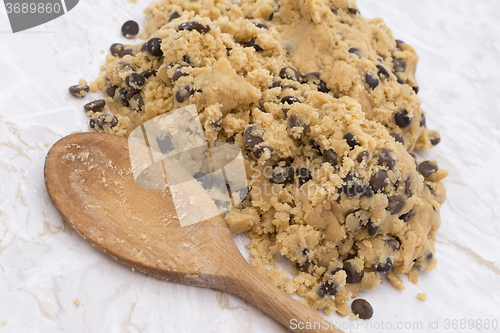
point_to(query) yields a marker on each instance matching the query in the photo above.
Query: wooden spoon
(89, 180)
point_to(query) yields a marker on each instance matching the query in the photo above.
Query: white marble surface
(45, 265)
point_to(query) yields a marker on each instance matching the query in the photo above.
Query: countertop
(51, 280)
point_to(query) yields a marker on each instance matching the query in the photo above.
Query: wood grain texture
(89, 180)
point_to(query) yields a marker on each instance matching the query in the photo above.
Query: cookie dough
(323, 103)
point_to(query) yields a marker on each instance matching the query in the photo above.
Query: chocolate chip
(150, 72)
(304, 175)
(329, 156)
(322, 87)
(122, 93)
(399, 65)
(130, 29)
(353, 11)
(275, 84)
(315, 146)
(304, 267)
(435, 138)
(253, 135)
(372, 229)
(392, 243)
(183, 92)
(193, 25)
(398, 138)
(383, 72)
(400, 80)
(79, 91)
(428, 257)
(362, 308)
(131, 93)
(111, 90)
(363, 156)
(179, 73)
(328, 288)
(368, 191)
(135, 80)
(399, 43)
(216, 124)
(423, 121)
(429, 186)
(385, 159)
(352, 275)
(371, 80)
(356, 51)
(92, 123)
(252, 43)
(136, 102)
(106, 120)
(116, 49)
(402, 118)
(144, 47)
(408, 187)
(290, 100)
(173, 16)
(311, 76)
(258, 151)
(289, 73)
(153, 46)
(352, 141)
(95, 106)
(271, 16)
(294, 122)
(280, 174)
(396, 203)
(127, 52)
(187, 60)
(353, 186)
(334, 11)
(379, 180)
(406, 217)
(290, 86)
(261, 25)
(396, 183)
(383, 267)
(427, 168)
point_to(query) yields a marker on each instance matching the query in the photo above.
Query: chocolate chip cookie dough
(323, 103)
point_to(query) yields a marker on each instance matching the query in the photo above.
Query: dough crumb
(413, 276)
(422, 296)
(77, 302)
(396, 281)
(4, 322)
(353, 317)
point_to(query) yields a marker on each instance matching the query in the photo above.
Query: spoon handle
(249, 285)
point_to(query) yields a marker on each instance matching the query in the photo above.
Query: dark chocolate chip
(253, 135)
(127, 52)
(423, 121)
(362, 308)
(116, 49)
(382, 72)
(135, 80)
(385, 159)
(363, 156)
(183, 92)
(322, 87)
(334, 11)
(400, 80)
(136, 102)
(315, 146)
(352, 275)
(435, 139)
(106, 120)
(304, 267)
(216, 124)
(352, 141)
(396, 183)
(79, 91)
(353, 186)
(280, 174)
(379, 180)
(402, 118)
(166, 146)
(252, 43)
(372, 229)
(415, 89)
(304, 175)
(275, 84)
(399, 43)
(173, 16)
(95, 106)
(289, 73)
(261, 25)
(290, 86)
(258, 151)
(408, 187)
(92, 123)
(131, 93)
(329, 156)
(353, 11)
(144, 47)
(383, 267)
(328, 288)
(429, 186)
(122, 93)
(427, 168)
(294, 122)
(398, 138)
(356, 51)
(428, 257)
(153, 46)
(193, 25)
(111, 90)
(311, 76)
(406, 217)
(271, 16)
(179, 73)
(399, 65)
(150, 72)
(130, 29)
(368, 191)
(392, 243)
(290, 100)
(396, 203)
(187, 60)
(371, 80)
